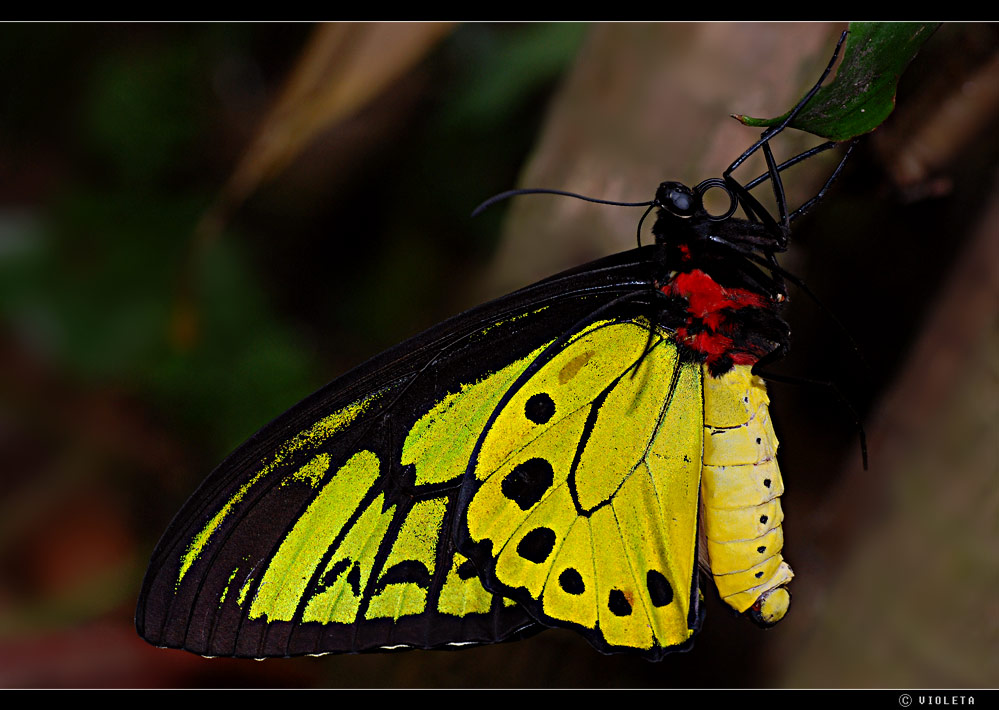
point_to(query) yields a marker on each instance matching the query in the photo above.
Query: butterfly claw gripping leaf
(549, 459)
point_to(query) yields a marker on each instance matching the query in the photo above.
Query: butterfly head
(678, 200)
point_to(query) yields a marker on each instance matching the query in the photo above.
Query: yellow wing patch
(313, 437)
(327, 568)
(416, 543)
(588, 489)
(290, 570)
(462, 415)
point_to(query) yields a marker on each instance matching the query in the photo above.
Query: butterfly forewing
(331, 529)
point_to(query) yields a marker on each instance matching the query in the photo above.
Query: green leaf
(862, 95)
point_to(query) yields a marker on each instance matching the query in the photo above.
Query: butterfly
(569, 455)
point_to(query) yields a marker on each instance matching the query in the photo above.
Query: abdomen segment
(740, 496)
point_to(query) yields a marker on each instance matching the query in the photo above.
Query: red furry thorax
(710, 328)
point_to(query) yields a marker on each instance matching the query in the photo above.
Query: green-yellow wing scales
(333, 528)
(467, 502)
(585, 489)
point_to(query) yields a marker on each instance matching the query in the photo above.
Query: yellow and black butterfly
(560, 457)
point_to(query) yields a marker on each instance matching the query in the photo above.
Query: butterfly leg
(751, 206)
(774, 130)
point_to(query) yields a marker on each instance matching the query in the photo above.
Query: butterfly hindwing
(583, 490)
(331, 529)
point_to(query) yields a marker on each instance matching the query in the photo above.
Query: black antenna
(543, 191)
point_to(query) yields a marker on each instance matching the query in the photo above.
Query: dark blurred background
(201, 224)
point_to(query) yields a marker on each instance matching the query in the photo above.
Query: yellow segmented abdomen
(740, 495)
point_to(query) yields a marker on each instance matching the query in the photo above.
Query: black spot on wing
(407, 571)
(618, 603)
(333, 574)
(466, 570)
(526, 484)
(537, 545)
(660, 590)
(571, 582)
(354, 579)
(539, 408)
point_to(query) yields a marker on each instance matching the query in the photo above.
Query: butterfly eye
(678, 199)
